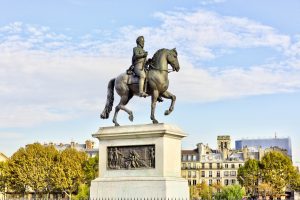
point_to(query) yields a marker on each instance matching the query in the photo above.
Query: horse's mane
(157, 53)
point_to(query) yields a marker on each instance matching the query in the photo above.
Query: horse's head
(172, 59)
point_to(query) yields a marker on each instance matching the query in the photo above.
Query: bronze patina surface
(131, 157)
(156, 84)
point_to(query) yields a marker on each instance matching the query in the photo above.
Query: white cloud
(234, 83)
(47, 76)
(200, 31)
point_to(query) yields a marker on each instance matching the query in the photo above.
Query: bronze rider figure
(139, 59)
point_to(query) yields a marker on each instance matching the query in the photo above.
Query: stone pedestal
(140, 162)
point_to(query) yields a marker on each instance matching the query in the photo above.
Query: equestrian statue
(143, 78)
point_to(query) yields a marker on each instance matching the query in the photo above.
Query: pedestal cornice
(139, 131)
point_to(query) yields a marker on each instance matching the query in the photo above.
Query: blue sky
(240, 67)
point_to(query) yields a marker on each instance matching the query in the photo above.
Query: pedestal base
(140, 162)
(139, 188)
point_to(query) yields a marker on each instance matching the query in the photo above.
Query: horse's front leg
(169, 95)
(153, 105)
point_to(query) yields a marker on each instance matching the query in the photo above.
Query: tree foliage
(69, 171)
(30, 168)
(217, 192)
(248, 176)
(271, 176)
(3, 176)
(264, 189)
(83, 192)
(43, 170)
(231, 192)
(91, 167)
(295, 183)
(277, 170)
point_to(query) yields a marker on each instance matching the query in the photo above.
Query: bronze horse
(157, 85)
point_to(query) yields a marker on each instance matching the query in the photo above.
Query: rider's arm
(139, 53)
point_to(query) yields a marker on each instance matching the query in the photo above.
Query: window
(218, 173)
(210, 174)
(226, 165)
(218, 165)
(194, 157)
(189, 165)
(225, 145)
(226, 173)
(218, 181)
(226, 182)
(202, 173)
(184, 157)
(240, 165)
(233, 181)
(210, 182)
(194, 182)
(189, 181)
(183, 165)
(210, 165)
(189, 158)
(194, 174)
(232, 166)
(203, 165)
(194, 165)
(189, 174)
(233, 173)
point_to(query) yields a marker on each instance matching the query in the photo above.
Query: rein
(164, 70)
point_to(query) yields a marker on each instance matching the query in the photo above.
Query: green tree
(205, 191)
(231, 192)
(30, 168)
(69, 171)
(264, 189)
(295, 183)
(277, 171)
(83, 192)
(3, 177)
(90, 168)
(248, 176)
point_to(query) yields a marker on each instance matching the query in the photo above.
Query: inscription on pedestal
(130, 157)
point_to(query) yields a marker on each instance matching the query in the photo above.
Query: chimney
(89, 144)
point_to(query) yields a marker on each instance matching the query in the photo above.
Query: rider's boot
(141, 88)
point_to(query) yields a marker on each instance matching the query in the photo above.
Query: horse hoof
(116, 124)
(167, 112)
(155, 121)
(130, 117)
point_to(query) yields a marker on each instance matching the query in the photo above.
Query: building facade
(88, 147)
(219, 166)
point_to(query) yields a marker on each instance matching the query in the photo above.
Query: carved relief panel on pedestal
(131, 157)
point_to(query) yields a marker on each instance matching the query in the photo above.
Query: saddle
(133, 78)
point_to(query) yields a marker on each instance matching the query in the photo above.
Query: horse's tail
(109, 100)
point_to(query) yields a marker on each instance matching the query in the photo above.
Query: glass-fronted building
(283, 143)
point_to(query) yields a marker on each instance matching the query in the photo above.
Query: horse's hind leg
(121, 106)
(124, 102)
(169, 95)
(117, 109)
